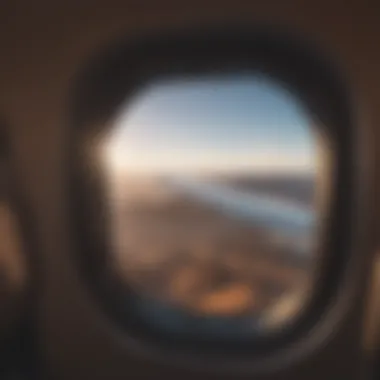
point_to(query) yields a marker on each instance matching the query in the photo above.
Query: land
(185, 254)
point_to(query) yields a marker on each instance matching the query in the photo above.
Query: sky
(227, 124)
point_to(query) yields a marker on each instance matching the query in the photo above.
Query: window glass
(211, 187)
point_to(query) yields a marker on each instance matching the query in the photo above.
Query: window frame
(115, 75)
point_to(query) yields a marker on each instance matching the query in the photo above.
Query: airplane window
(14, 273)
(212, 190)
